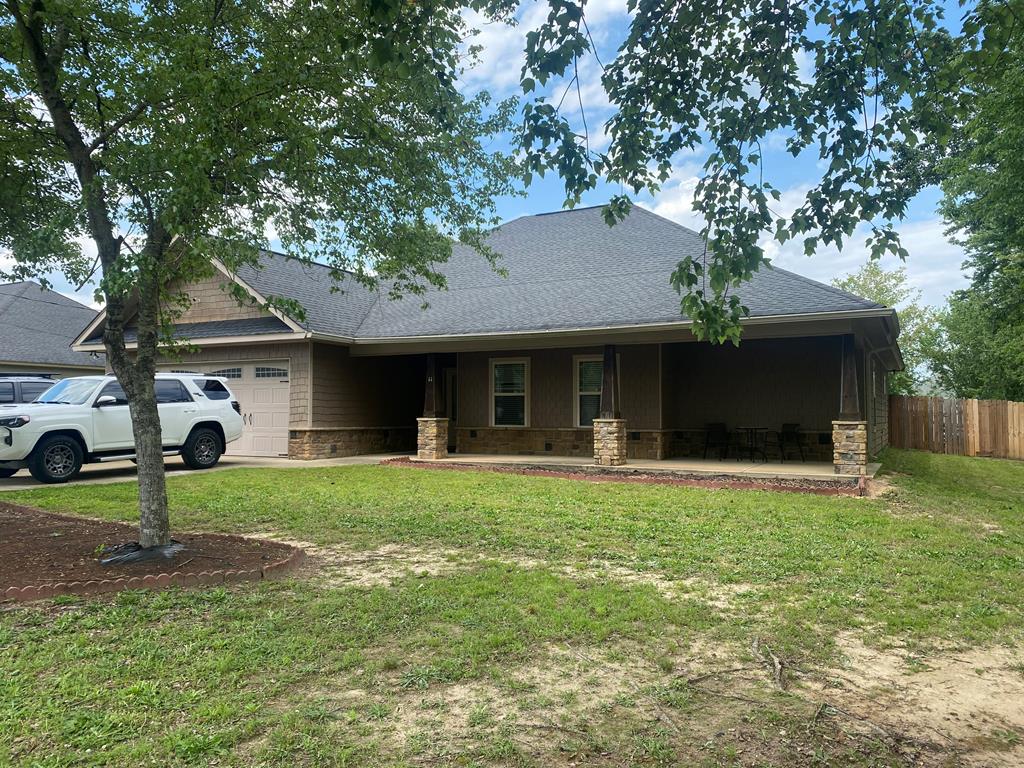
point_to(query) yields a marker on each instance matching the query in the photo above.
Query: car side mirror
(104, 400)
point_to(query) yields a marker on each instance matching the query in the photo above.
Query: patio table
(752, 444)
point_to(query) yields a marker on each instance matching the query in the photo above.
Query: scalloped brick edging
(158, 581)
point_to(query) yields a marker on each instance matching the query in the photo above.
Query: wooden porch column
(432, 432)
(610, 384)
(849, 431)
(610, 428)
(430, 388)
(849, 393)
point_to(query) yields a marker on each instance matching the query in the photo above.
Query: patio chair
(787, 437)
(716, 437)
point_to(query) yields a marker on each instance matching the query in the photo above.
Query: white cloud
(500, 63)
(934, 264)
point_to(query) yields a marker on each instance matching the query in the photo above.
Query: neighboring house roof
(565, 270)
(39, 326)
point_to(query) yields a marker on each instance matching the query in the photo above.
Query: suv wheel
(202, 449)
(56, 459)
(7, 472)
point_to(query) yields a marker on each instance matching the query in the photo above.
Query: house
(37, 327)
(584, 326)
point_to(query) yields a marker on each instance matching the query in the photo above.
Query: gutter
(598, 330)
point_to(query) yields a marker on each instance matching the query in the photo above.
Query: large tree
(979, 348)
(979, 352)
(844, 83)
(917, 320)
(166, 133)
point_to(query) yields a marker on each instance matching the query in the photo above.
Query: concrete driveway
(122, 471)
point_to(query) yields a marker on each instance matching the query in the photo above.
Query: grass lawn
(473, 618)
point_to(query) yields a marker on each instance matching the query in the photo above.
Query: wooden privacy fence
(962, 427)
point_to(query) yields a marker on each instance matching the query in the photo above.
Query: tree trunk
(136, 377)
(154, 521)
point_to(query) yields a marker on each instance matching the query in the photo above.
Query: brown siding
(365, 391)
(761, 383)
(551, 386)
(878, 413)
(210, 302)
(297, 355)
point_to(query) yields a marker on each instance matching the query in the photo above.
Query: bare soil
(40, 548)
(821, 487)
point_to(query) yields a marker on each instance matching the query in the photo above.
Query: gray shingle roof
(37, 325)
(332, 306)
(566, 270)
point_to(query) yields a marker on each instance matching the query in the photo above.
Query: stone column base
(850, 447)
(609, 442)
(432, 438)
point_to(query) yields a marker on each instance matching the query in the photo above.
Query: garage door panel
(262, 390)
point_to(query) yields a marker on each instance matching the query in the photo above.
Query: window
(213, 389)
(588, 375)
(271, 373)
(113, 389)
(228, 373)
(30, 390)
(171, 392)
(510, 393)
(6, 392)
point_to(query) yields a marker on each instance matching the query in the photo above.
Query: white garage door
(262, 390)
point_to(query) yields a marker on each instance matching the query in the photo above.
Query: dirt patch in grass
(969, 701)
(339, 565)
(43, 548)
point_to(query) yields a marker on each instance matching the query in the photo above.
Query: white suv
(85, 419)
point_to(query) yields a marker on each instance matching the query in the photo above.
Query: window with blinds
(510, 396)
(588, 375)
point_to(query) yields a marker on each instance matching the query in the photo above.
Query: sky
(934, 264)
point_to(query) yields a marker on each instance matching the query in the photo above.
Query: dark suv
(22, 389)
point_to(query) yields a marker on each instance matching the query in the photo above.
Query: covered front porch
(798, 406)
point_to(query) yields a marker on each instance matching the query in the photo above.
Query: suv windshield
(70, 391)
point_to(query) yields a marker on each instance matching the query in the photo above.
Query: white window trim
(491, 393)
(576, 360)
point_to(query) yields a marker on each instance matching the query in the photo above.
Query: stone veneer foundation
(850, 447)
(432, 438)
(645, 444)
(609, 442)
(327, 443)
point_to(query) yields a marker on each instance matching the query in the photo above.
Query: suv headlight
(14, 421)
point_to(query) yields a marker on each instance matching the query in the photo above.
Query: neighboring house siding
(57, 372)
(210, 302)
(761, 383)
(297, 355)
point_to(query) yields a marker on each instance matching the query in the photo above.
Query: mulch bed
(43, 554)
(821, 487)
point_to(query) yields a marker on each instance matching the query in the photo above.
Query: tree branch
(117, 125)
